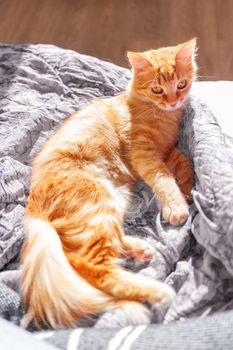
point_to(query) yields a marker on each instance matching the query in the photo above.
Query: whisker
(205, 77)
(154, 115)
(149, 109)
(148, 81)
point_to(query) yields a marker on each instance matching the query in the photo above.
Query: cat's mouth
(172, 107)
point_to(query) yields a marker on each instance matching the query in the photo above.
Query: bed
(40, 85)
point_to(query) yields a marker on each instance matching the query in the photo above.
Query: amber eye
(157, 90)
(182, 84)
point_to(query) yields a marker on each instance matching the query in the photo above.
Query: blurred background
(108, 28)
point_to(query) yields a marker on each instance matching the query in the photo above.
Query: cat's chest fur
(164, 132)
(140, 131)
(145, 128)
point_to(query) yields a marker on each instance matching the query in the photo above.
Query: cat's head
(164, 76)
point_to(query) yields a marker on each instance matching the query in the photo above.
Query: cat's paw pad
(177, 213)
(144, 254)
(139, 250)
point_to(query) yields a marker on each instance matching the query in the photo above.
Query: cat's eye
(157, 90)
(182, 84)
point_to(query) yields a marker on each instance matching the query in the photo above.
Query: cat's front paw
(138, 249)
(176, 213)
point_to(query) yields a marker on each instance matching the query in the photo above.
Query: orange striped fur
(80, 191)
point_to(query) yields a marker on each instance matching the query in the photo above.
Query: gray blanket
(39, 86)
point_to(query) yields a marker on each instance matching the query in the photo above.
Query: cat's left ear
(138, 61)
(186, 52)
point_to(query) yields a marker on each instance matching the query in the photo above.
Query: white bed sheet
(219, 97)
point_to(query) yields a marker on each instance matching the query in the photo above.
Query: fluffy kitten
(80, 189)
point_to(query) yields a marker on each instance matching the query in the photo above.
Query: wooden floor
(107, 28)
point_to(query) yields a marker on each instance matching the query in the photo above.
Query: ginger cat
(80, 190)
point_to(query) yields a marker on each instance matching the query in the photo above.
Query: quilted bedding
(39, 86)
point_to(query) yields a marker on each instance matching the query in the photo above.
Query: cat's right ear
(186, 51)
(138, 62)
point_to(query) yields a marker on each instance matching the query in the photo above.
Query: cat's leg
(122, 284)
(96, 262)
(136, 248)
(182, 170)
(155, 172)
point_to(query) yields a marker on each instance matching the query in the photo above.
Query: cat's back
(103, 118)
(98, 130)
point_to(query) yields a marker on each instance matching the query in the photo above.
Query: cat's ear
(138, 62)
(186, 52)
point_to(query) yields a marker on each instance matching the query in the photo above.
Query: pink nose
(173, 104)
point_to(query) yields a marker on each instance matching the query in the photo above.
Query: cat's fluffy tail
(53, 292)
